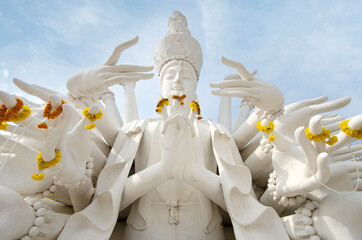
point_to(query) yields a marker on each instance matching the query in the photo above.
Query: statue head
(178, 59)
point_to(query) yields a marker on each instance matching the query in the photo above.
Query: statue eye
(170, 76)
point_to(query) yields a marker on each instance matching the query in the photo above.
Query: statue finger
(49, 91)
(309, 151)
(232, 76)
(244, 74)
(8, 100)
(357, 183)
(113, 59)
(346, 156)
(323, 171)
(32, 90)
(234, 83)
(9, 146)
(109, 75)
(119, 80)
(346, 149)
(305, 103)
(237, 92)
(329, 114)
(354, 167)
(336, 119)
(329, 106)
(355, 122)
(127, 68)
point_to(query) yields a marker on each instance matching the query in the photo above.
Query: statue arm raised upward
(263, 95)
(90, 86)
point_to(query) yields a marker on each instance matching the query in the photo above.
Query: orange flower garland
(8, 114)
(180, 98)
(17, 113)
(52, 115)
(160, 105)
(195, 107)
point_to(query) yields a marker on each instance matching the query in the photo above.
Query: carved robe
(250, 219)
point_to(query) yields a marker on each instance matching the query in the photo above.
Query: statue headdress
(178, 45)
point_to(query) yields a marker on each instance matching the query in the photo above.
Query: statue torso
(173, 209)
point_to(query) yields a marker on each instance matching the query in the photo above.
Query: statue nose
(178, 78)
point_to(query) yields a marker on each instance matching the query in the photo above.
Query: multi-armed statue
(70, 168)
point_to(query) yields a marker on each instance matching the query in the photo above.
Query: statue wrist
(270, 115)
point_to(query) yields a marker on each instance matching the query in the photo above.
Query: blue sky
(306, 48)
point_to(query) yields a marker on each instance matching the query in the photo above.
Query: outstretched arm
(265, 96)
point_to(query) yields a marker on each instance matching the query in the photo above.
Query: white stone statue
(72, 169)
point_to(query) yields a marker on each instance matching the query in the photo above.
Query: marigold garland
(317, 137)
(3, 110)
(195, 107)
(160, 104)
(180, 98)
(92, 117)
(13, 114)
(52, 115)
(7, 114)
(266, 129)
(350, 131)
(22, 115)
(42, 165)
(324, 136)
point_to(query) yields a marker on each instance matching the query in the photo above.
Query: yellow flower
(265, 129)
(3, 126)
(92, 117)
(37, 176)
(90, 126)
(271, 138)
(332, 140)
(350, 131)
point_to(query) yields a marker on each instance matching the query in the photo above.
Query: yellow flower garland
(18, 113)
(324, 136)
(24, 114)
(195, 107)
(160, 104)
(42, 165)
(350, 131)
(317, 137)
(266, 129)
(92, 117)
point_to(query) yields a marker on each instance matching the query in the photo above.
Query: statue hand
(300, 170)
(263, 95)
(96, 80)
(298, 114)
(178, 132)
(344, 176)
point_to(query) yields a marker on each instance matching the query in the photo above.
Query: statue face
(177, 78)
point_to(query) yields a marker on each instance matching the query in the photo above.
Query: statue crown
(178, 45)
